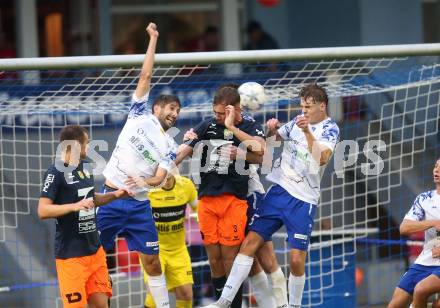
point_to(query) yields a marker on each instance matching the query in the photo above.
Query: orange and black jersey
(216, 177)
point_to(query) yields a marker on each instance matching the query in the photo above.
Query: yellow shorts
(176, 265)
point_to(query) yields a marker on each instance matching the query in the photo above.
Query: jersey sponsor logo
(81, 175)
(169, 213)
(152, 244)
(71, 179)
(148, 157)
(166, 228)
(49, 180)
(86, 173)
(227, 134)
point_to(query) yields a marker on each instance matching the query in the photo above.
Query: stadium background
(26, 264)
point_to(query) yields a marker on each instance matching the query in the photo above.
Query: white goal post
(386, 100)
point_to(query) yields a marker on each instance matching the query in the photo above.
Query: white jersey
(254, 184)
(427, 207)
(296, 171)
(142, 146)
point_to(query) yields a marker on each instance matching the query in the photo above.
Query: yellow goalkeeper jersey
(168, 207)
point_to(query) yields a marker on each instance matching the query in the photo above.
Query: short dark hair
(165, 99)
(314, 91)
(226, 96)
(228, 85)
(73, 132)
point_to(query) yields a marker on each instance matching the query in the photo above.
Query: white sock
(240, 270)
(262, 292)
(279, 288)
(159, 291)
(296, 287)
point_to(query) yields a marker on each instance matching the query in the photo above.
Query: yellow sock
(149, 302)
(183, 304)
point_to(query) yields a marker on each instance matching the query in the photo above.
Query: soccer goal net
(385, 103)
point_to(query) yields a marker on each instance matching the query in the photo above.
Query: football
(252, 95)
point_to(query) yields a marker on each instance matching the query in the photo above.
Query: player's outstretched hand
(84, 204)
(152, 30)
(190, 135)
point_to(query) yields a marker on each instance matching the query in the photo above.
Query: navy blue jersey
(76, 233)
(217, 178)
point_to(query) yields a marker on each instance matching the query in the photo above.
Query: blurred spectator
(208, 41)
(258, 38)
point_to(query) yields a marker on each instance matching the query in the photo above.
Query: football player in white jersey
(142, 158)
(309, 141)
(423, 277)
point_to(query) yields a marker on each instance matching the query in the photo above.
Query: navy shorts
(254, 201)
(280, 208)
(131, 219)
(414, 275)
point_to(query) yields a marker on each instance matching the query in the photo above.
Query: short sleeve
(330, 135)
(200, 130)
(167, 162)
(256, 129)
(51, 183)
(284, 131)
(139, 106)
(416, 212)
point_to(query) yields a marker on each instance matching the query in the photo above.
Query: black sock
(218, 283)
(238, 299)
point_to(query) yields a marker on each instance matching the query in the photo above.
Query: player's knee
(251, 243)
(420, 292)
(184, 294)
(392, 304)
(297, 265)
(151, 264)
(268, 262)
(216, 264)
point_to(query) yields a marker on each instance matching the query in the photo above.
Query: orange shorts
(80, 277)
(222, 219)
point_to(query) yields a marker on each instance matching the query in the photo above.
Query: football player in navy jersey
(224, 187)
(309, 141)
(68, 195)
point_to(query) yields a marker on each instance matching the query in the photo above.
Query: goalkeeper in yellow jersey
(168, 204)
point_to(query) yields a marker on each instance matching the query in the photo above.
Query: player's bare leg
(98, 300)
(156, 280)
(424, 289)
(184, 296)
(297, 277)
(400, 298)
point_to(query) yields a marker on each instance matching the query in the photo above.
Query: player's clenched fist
(190, 135)
(152, 30)
(273, 124)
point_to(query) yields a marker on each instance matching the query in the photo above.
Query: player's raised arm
(143, 86)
